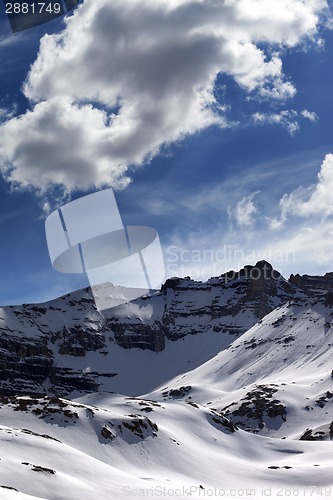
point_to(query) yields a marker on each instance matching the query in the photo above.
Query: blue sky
(211, 120)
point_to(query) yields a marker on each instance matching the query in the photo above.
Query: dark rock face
(309, 283)
(253, 291)
(29, 338)
(311, 435)
(222, 422)
(264, 284)
(257, 409)
(25, 360)
(139, 335)
(177, 393)
(25, 368)
(77, 341)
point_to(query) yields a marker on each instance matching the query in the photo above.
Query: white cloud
(309, 115)
(303, 244)
(299, 247)
(62, 143)
(245, 210)
(288, 119)
(127, 76)
(7, 38)
(313, 200)
(7, 113)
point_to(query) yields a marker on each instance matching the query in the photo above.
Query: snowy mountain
(60, 347)
(220, 388)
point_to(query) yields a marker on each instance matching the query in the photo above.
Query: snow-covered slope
(277, 378)
(109, 447)
(202, 390)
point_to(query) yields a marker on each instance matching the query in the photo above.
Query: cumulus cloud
(127, 76)
(312, 201)
(59, 142)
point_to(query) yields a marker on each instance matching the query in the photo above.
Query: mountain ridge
(161, 393)
(33, 337)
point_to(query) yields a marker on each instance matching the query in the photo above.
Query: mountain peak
(262, 270)
(263, 264)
